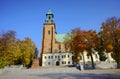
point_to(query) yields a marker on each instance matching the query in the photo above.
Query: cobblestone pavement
(60, 73)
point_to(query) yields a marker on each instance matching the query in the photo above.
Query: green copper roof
(49, 17)
(60, 37)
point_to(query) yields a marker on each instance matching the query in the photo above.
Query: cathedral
(53, 51)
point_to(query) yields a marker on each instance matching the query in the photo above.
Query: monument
(35, 61)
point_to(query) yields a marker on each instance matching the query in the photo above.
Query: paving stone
(61, 73)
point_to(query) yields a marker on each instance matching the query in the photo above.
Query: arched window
(49, 57)
(49, 17)
(49, 32)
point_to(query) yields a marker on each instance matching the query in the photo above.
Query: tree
(79, 40)
(3, 61)
(14, 51)
(27, 50)
(101, 49)
(10, 51)
(74, 43)
(92, 43)
(111, 35)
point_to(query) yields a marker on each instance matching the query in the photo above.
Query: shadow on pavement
(77, 76)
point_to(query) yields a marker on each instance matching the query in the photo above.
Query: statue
(35, 61)
(36, 54)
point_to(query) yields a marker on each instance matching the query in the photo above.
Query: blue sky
(26, 17)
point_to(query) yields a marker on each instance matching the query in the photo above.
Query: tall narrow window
(58, 56)
(49, 32)
(62, 56)
(49, 57)
(55, 56)
(62, 62)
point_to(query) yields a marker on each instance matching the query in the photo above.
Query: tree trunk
(93, 66)
(108, 58)
(118, 64)
(83, 60)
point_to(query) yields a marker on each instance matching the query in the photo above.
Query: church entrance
(57, 63)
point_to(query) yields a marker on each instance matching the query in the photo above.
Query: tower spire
(49, 17)
(49, 11)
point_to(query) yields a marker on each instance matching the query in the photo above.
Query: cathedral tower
(49, 32)
(53, 47)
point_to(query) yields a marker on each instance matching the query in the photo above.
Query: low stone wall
(1, 71)
(106, 65)
(11, 68)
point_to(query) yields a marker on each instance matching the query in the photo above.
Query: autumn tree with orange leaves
(111, 35)
(92, 43)
(79, 40)
(74, 41)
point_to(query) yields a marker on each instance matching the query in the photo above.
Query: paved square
(60, 73)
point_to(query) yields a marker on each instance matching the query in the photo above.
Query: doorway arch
(57, 63)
